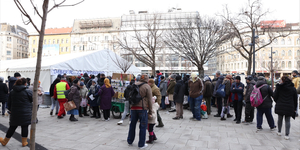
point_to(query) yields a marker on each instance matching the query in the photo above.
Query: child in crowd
(152, 121)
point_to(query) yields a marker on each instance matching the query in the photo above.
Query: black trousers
(96, 112)
(249, 112)
(238, 107)
(82, 110)
(11, 130)
(106, 113)
(219, 103)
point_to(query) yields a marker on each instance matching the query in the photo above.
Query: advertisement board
(273, 24)
(50, 50)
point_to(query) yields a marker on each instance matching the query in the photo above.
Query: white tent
(93, 62)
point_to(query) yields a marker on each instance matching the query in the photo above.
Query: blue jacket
(238, 89)
(157, 81)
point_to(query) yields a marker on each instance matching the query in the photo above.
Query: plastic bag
(185, 100)
(167, 100)
(83, 102)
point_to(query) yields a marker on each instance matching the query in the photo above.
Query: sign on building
(51, 50)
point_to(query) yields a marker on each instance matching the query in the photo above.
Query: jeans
(11, 130)
(195, 104)
(219, 103)
(126, 110)
(249, 112)
(238, 107)
(142, 116)
(3, 107)
(208, 104)
(163, 105)
(259, 117)
(287, 124)
(55, 104)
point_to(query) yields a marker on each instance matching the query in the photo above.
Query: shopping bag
(185, 100)
(69, 105)
(167, 100)
(83, 102)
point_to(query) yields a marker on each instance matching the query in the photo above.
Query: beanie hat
(17, 74)
(157, 71)
(82, 78)
(81, 84)
(75, 81)
(295, 71)
(249, 78)
(173, 76)
(178, 77)
(59, 76)
(238, 78)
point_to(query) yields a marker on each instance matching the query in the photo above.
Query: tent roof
(86, 61)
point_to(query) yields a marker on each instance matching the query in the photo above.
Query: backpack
(221, 91)
(134, 94)
(256, 98)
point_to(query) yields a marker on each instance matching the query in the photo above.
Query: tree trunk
(249, 65)
(37, 75)
(153, 70)
(201, 71)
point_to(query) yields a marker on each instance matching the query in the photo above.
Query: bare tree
(261, 62)
(43, 17)
(240, 27)
(145, 41)
(196, 39)
(123, 64)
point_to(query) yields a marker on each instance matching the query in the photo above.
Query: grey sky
(64, 17)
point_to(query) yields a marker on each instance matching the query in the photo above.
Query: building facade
(13, 42)
(95, 34)
(57, 41)
(286, 56)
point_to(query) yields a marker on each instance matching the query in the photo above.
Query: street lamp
(253, 48)
(272, 71)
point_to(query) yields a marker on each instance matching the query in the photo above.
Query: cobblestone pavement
(88, 133)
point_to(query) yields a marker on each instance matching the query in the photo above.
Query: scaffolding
(107, 23)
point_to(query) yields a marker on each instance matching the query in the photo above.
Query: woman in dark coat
(178, 97)
(94, 89)
(20, 106)
(74, 95)
(3, 94)
(285, 96)
(106, 93)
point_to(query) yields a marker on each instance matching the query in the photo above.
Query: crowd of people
(155, 94)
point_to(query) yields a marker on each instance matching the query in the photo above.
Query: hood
(260, 81)
(144, 78)
(252, 82)
(163, 80)
(85, 75)
(19, 88)
(221, 78)
(159, 74)
(56, 81)
(12, 79)
(286, 84)
(206, 78)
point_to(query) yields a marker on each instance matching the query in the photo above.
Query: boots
(154, 137)
(80, 111)
(150, 141)
(24, 141)
(72, 118)
(51, 112)
(4, 141)
(84, 112)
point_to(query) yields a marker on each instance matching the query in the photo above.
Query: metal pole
(272, 78)
(253, 48)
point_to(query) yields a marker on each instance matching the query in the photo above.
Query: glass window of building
(33, 41)
(49, 41)
(62, 49)
(290, 64)
(8, 58)
(283, 64)
(74, 48)
(57, 41)
(282, 53)
(282, 42)
(106, 38)
(298, 41)
(45, 41)
(62, 40)
(290, 53)
(80, 48)
(67, 40)
(298, 52)
(66, 49)
(9, 39)
(275, 41)
(53, 41)
(8, 52)
(33, 50)
(289, 41)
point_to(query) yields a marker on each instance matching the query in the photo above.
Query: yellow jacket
(296, 82)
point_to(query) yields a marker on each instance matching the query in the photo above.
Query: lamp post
(253, 49)
(272, 71)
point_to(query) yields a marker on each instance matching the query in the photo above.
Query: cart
(117, 108)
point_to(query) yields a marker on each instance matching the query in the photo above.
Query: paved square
(213, 134)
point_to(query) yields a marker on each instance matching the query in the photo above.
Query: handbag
(167, 100)
(83, 102)
(70, 105)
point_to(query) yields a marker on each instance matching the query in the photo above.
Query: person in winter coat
(86, 78)
(152, 120)
(266, 106)
(101, 80)
(296, 81)
(89, 83)
(285, 96)
(12, 80)
(163, 90)
(83, 96)
(54, 102)
(106, 93)
(170, 92)
(127, 105)
(186, 79)
(3, 95)
(28, 82)
(156, 92)
(237, 89)
(20, 106)
(225, 105)
(207, 93)
(196, 94)
(249, 110)
(178, 97)
(213, 98)
(219, 99)
(94, 90)
(74, 95)
(59, 90)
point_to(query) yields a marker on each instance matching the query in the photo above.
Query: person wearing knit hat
(196, 95)
(170, 91)
(237, 90)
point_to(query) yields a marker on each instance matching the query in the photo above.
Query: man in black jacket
(13, 79)
(249, 110)
(219, 99)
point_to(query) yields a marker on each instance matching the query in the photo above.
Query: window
(80, 48)
(33, 41)
(83, 47)
(62, 49)
(298, 41)
(57, 41)
(95, 38)
(282, 42)
(62, 41)
(242, 65)
(275, 41)
(276, 53)
(238, 66)
(283, 53)
(8, 52)
(290, 53)
(106, 38)
(49, 41)
(9, 39)
(8, 58)
(283, 64)
(298, 52)
(33, 50)
(74, 48)
(66, 49)
(290, 64)
(289, 41)
(67, 40)
(53, 41)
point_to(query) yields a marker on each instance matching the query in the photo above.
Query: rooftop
(58, 30)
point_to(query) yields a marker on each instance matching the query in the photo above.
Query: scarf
(106, 82)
